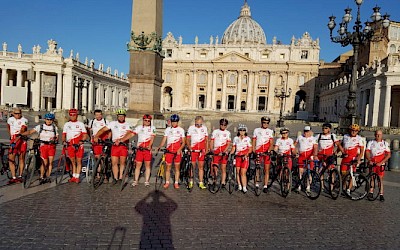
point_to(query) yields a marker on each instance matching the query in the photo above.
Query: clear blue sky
(99, 29)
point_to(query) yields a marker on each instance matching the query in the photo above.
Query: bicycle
(160, 177)
(88, 167)
(256, 173)
(5, 167)
(355, 184)
(374, 181)
(281, 172)
(64, 164)
(214, 176)
(130, 166)
(231, 174)
(102, 167)
(310, 181)
(186, 171)
(330, 175)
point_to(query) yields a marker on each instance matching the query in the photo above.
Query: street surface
(74, 216)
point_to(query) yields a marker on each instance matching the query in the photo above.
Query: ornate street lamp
(356, 38)
(282, 96)
(80, 84)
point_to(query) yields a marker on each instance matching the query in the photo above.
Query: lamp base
(345, 122)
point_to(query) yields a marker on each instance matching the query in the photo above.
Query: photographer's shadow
(156, 209)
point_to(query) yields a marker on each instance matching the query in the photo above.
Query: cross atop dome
(245, 11)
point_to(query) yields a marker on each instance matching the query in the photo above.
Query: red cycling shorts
(120, 150)
(220, 159)
(72, 152)
(242, 162)
(303, 157)
(170, 157)
(143, 155)
(20, 145)
(47, 151)
(197, 156)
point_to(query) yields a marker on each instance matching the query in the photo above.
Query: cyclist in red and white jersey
(326, 143)
(94, 126)
(48, 134)
(146, 134)
(353, 146)
(307, 148)
(378, 153)
(263, 141)
(174, 136)
(74, 132)
(119, 152)
(243, 147)
(285, 145)
(197, 142)
(219, 144)
(16, 125)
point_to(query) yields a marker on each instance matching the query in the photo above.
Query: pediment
(232, 57)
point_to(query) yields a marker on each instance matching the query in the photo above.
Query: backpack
(91, 123)
(319, 138)
(54, 129)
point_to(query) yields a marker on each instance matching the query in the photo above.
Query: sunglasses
(241, 129)
(49, 119)
(146, 120)
(198, 125)
(17, 113)
(265, 122)
(284, 133)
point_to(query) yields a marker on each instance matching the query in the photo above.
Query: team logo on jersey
(77, 126)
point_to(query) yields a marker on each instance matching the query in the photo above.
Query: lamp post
(80, 84)
(282, 96)
(356, 38)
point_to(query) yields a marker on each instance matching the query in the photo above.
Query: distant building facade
(239, 71)
(378, 83)
(49, 81)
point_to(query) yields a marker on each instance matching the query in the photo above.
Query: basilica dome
(244, 30)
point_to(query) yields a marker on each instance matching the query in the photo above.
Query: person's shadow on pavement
(156, 209)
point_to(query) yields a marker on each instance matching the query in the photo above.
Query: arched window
(232, 79)
(263, 80)
(301, 80)
(219, 79)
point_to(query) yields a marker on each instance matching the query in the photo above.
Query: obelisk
(145, 71)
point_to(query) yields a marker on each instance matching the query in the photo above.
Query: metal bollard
(394, 161)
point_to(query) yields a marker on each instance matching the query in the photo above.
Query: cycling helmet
(355, 127)
(73, 112)
(146, 116)
(223, 121)
(120, 112)
(328, 125)
(284, 129)
(242, 127)
(265, 119)
(49, 116)
(174, 118)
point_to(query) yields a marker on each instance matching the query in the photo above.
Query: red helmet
(73, 112)
(146, 116)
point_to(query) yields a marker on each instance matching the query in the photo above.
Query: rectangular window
(282, 56)
(244, 90)
(304, 54)
(169, 52)
(262, 91)
(264, 55)
(203, 55)
(187, 55)
(246, 54)
(219, 89)
(201, 89)
(221, 54)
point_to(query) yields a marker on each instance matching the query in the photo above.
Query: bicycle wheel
(128, 169)
(359, 187)
(258, 178)
(312, 184)
(214, 183)
(374, 183)
(231, 178)
(89, 168)
(160, 176)
(99, 173)
(6, 167)
(189, 177)
(335, 183)
(286, 181)
(29, 171)
(60, 171)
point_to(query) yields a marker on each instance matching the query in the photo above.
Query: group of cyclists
(306, 147)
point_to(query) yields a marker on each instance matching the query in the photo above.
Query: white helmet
(241, 127)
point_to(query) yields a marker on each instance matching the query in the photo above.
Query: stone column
(91, 95)
(19, 78)
(239, 91)
(386, 113)
(4, 80)
(209, 89)
(36, 88)
(271, 94)
(250, 99)
(223, 98)
(59, 92)
(214, 91)
(194, 91)
(84, 96)
(76, 91)
(255, 91)
(363, 107)
(68, 94)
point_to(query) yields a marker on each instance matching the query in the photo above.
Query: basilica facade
(240, 72)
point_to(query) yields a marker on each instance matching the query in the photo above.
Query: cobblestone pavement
(72, 216)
